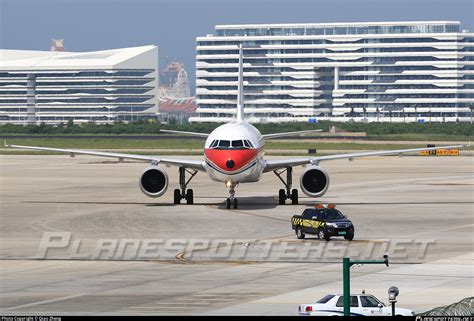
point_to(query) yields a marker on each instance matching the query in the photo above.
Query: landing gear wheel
(283, 194)
(349, 237)
(322, 235)
(281, 197)
(189, 196)
(294, 196)
(177, 196)
(299, 233)
(182, 192)
(227, 203)
(235, 203)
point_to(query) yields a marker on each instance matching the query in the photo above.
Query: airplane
(233, 154)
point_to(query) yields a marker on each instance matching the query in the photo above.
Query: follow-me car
(323, 221)
(361, 304)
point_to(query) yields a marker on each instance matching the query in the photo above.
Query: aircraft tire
(281, 197)
(177, 196)
(190, 196)
(294, 196)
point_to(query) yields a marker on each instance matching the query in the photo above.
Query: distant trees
(150, 128)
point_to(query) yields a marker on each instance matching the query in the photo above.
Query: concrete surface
(123, 253)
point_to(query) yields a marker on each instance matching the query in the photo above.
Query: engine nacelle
(153, 181)
(314, 181)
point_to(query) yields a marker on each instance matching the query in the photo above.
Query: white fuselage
(234, 154)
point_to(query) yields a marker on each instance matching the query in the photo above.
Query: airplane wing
(300, 132)
(189, 163)
(276, 164)
(203, 135)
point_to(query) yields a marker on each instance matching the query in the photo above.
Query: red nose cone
(230, 160)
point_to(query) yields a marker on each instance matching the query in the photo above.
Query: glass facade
(401, 72)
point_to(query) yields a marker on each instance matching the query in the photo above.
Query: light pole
(346, 278)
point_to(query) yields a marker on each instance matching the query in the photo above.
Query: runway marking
(182, 255)
(43, 302)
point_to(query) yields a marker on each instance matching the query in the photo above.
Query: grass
(382, 137)
(193, 147)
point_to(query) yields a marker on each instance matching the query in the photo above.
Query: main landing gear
(182, 193)
(231, 201)
(289, 193)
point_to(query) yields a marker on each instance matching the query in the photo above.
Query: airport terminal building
(381, 71)
(55, 87)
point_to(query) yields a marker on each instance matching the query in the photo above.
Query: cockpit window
(224, 143)
(234, 144)
(213, 144)
(237, 144)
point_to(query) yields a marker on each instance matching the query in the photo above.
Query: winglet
(240, 88)
(5, 143)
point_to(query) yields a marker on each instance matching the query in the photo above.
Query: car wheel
(322, 235)
(299, 233)
(349, 237)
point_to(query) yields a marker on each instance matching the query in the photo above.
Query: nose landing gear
(231, 201)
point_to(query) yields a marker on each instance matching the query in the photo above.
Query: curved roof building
(55, 87)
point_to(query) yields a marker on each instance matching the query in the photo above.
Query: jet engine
(153, 181)
(314, 181)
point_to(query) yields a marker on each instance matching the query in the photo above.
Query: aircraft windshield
(224, 143)
(234, 144)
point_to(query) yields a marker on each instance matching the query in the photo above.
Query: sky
(173, 25)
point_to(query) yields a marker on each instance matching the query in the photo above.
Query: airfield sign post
(346, 278)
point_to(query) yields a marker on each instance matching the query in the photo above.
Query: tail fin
(240, 93)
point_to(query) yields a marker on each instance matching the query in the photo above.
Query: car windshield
(325, 299)
(369, 302)
(330, 214)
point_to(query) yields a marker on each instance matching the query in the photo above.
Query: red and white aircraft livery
(233, 154)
